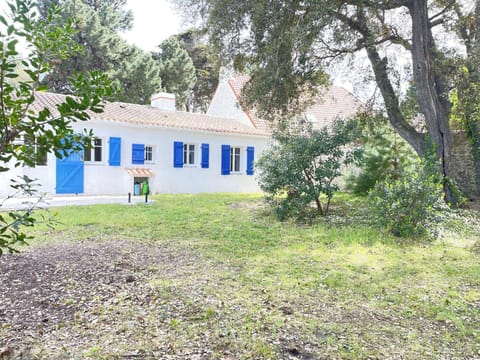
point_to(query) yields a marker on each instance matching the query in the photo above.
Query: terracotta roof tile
(145, 115)
(332, 102)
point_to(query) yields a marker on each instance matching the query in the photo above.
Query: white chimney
(163, 101)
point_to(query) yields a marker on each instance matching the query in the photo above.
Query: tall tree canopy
(291, 42)
(97, 24)
(178, 72)
(112, 12)
(206, 61)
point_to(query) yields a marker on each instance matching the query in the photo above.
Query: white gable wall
(225, 104)
(103, 179)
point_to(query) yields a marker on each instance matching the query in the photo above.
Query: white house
(170, 151)
(174, 152)
(331, 103)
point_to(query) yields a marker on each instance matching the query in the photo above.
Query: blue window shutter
(115, 151)
(225, 159)
(177, 154)
(138, 153)
(205, 156)
(250, 158)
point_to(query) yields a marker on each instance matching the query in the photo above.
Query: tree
(178, 73)
(138, 78)
(112, 12)
(104, 50)
(46, 42)
(301, 165)
(207, 68)
(385, 155)
(290, 43)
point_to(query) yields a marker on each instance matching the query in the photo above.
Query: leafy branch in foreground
(51, 130)
(12, 222)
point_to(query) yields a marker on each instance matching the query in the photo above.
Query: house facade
(156, 149)
(140, 148)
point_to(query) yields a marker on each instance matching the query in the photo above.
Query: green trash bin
(145, 189)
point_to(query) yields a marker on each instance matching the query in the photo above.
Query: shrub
(411, 205)
(385, 154)
(301, 165)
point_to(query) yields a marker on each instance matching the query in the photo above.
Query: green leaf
(41, 88)
(12, 45)
(3, 20)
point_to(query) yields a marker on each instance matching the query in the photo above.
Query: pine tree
(178, 73)
(132, 70)
(207, 67)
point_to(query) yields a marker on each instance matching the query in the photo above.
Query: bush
(411, 205)
(301, 165)
(385, 155)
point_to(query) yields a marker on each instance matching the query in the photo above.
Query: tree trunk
(435, 110)
(380, 69)
(395, 116)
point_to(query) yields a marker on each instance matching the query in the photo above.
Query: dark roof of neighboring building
(146, 115)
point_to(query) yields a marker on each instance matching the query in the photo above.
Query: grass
(259, 288)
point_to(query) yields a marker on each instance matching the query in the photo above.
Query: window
(188, 154)
(39, 153)
(234, 159)
(148, 153)
(94, 154)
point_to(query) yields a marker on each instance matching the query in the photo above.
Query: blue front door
(70, 174)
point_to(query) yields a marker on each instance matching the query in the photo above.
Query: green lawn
(247, 286)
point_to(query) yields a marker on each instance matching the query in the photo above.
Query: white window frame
(236, 159)
(93, 152)
(186, 156)
(151, 152)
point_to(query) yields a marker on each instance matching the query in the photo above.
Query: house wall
(225, 104)
(5, 178)
(103, 179)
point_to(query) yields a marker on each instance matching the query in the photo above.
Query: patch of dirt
(121, 299)
(46, 288)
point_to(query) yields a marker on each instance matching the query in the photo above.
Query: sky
(154, 21)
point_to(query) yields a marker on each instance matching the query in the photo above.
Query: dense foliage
(46, 42)
(385, 155)
(97, 25)
(289, 45)
(178, 72)
(410, 205)
(466, 114)
(302, 164)
(206, 61)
